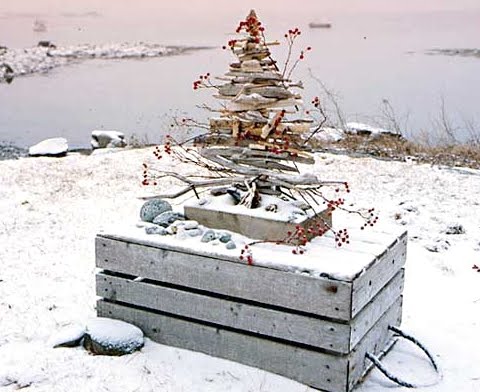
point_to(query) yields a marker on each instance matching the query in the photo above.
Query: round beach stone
(224, 237)
(106, 336)
(231, 245)
(166, 218)
(152, 208)
(208, 236)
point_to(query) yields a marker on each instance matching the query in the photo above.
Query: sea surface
(371, 54)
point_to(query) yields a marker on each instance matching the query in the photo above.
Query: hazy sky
(228, 7)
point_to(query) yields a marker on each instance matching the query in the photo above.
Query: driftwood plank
(376, 275)
(279, 324)
(318, 369)
(318, 296)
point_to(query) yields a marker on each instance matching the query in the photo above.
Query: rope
(377, 363)
(406, 336)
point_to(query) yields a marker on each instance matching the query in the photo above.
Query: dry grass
(388, 147)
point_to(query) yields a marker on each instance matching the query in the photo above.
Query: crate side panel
(377, 307)
(319, 296)
(378, 339)
(265, 321)
(382, 270)
(317, 369)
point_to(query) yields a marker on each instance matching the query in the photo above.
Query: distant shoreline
(46, 56)
(461, 52)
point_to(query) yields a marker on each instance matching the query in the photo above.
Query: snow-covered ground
(43, 59)
(51, 209)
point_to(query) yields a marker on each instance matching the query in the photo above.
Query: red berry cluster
(201, 81)
(246, 254)
(333, 204)
(342, 237)
(230, 44)
(316, 102)
(476, 268)
(297, 237)
(167, 148)
(302, 53)
(292, 34)
(251, 26)
(371, 219)
(145, 175)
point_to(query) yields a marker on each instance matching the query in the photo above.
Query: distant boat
(39, 26)
(316, 25)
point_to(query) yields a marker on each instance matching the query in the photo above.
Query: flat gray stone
(166, 218)
(156, 230)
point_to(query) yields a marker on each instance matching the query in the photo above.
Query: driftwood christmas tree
(252, 149)
(260, 108)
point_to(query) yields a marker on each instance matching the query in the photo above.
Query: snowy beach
(51, 209)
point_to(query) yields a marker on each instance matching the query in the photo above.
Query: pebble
(166, 218)
(271, 208)
(224, 237)
(208, 236)
(231, 245)
(156, 230)
(152, 208)
(194, 232)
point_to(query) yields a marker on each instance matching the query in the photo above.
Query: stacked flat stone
(260, 109)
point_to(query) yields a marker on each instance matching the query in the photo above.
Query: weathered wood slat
(378, 340)
(228, 313)
(279, 324)
(388, 295)
(318, 369)
(251, 226)
(318, 296)
(378, 273)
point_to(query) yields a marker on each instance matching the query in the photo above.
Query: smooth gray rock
(194, 232)
(208, 236)
(224, 237)
(106, 336)
(156, 230)
(166, 218)
(231, 245)
(55, 147)
(153, 208)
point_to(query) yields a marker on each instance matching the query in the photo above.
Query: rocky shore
(9, 151)
(46, 56)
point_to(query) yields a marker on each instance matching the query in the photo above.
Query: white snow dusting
(51, 209)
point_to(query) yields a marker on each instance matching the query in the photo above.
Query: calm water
(370, 54)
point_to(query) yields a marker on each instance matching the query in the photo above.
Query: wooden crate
(307, 325)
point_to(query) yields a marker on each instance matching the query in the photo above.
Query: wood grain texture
(318, 369)
(320, 333)
(318, 296)
(376, 275)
